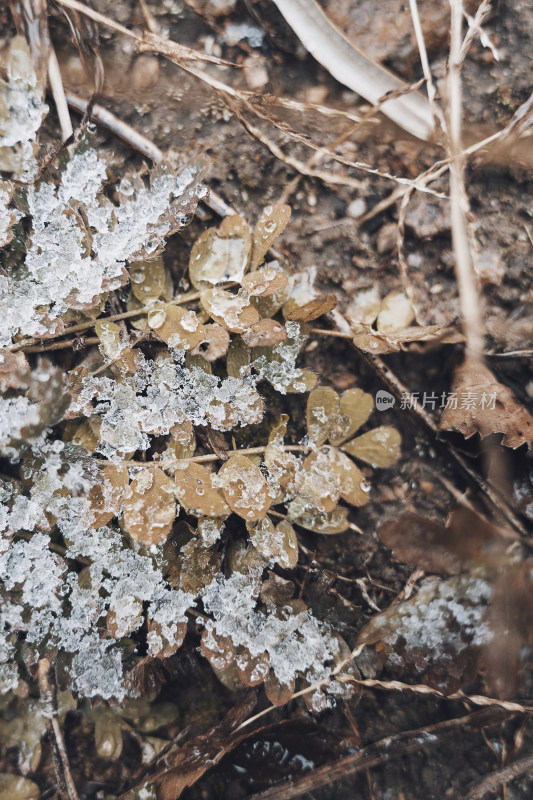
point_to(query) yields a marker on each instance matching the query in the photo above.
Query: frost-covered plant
(118, 528)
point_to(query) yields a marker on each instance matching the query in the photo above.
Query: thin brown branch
(117, 126)
(207, 457)
(188, 297)
(432, 92)
(47, 689)
(381, 752)
(75, 344)
(499, 778)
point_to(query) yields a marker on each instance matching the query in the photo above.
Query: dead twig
(462, 246)
(47, 689)
(432, 92)
(380, 752)
(117, 126)
(499, 778)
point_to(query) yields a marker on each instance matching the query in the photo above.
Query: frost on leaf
(437, 632)
(221, 254)
(244, 488)
(162, 394)
(79, 241)
(149, 507)
(21, 110)
(296, 644)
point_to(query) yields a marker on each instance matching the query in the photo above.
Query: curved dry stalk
(181, 51)
(58, 92)
(379, 752)
(337, 675)
(314, 686)
(422, 688)
(353, 68)
(178, 54)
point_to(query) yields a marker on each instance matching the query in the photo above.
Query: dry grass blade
(178, 50)
(462, 246)
(353, 68)
(58, 92)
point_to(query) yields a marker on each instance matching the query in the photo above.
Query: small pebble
(356, 208)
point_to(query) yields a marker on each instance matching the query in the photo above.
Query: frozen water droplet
(91, 127)
(270, 226)
(137, 276)
(267, 211)
(200, 491)
(156, 319)
(126, 187)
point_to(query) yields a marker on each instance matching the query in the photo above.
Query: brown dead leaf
(196, 492)
(370, 341)
(278, 693)
(312, 310)
(149, 507)
(160, 646)
(265, 333)
(335, 521)
(232, 311)
(272, 222)
(480, 404)
(245, 488)
(467, 541)
(218, 650)
(380, 447)
(221, 254)
(265, 282)
(105, 497)
(176, 326)
(215, 344)
(14, 370)
(252, 669)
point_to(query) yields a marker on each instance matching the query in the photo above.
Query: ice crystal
(281, 370)
(90, 555)
(80, 241)
(21, 111)
(298, 645)
(162, 393)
